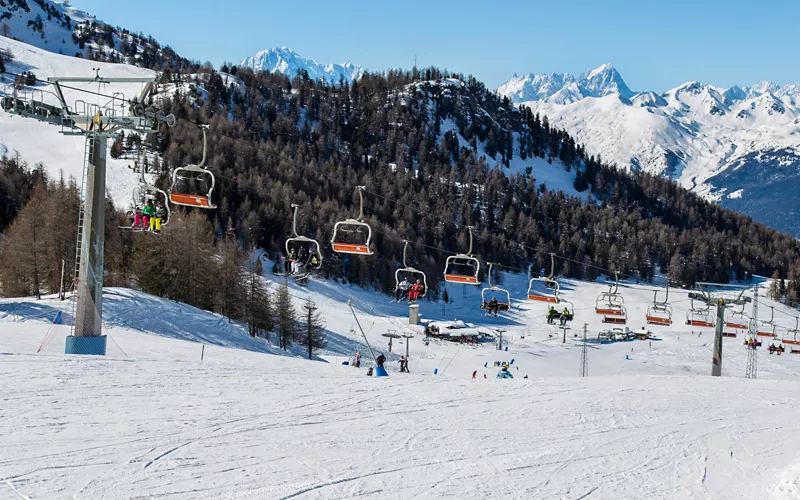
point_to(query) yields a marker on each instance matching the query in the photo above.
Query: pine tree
(312, 331)
(22, 263)
(286, 316)
(774, 292)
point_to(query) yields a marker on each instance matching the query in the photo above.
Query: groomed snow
(152, 420)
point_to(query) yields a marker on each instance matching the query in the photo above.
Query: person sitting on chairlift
(312, 262)
(287, 265)
(552, 314)
(147, 212)
(493, 306)
(415, 291)
(158, 218)
(137, 217)
(401, 291)
(564, 316)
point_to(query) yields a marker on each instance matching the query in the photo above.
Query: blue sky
(656, 45)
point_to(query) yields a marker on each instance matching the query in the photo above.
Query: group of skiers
(553, 315)
(296, 261)
(150, 217)
(405, 290)
(751, 343)
(404, 364)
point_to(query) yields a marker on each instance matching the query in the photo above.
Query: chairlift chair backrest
(611, 303)
(348, 226)
(182, 194)
(548, 282)
(297, 239)
(492, 289)
(699, 316)
(659, 313)
(738, 320)
(465, 261)
(406, 269)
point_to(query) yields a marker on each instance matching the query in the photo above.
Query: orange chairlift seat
(463, 267)
(545, 289)
(767, 328)
(699, 316)
(193, 185)
(353, 236)
(611, 303)
(493, 292)
(659, 313)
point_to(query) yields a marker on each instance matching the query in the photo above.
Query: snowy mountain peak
(564, 88)
(288, 62)
(603, 81)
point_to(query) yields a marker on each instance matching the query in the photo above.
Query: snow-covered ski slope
(41, 142)
(152, 420)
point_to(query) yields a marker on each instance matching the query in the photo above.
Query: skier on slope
(504, 373)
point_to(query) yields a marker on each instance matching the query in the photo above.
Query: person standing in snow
(380, 360)
(474, 374)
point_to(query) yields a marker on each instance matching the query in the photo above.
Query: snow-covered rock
(288, 62)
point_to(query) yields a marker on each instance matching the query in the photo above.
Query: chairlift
(296, 244)
(699, 316)
(463, 267)
(738, 320)
(407, 270)
(545, 289)
(193, 185)
(793, 340)
(353, 236)
(611, 303)
(145, 192)
(659, 313)
(493, 291)
(764, 327)
(776, 346)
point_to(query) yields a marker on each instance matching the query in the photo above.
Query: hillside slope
(162, 422)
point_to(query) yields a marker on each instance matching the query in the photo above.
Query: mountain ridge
(693, 133)
(288, 62)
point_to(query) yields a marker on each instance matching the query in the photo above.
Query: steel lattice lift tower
(97, 123)
(712, 295)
